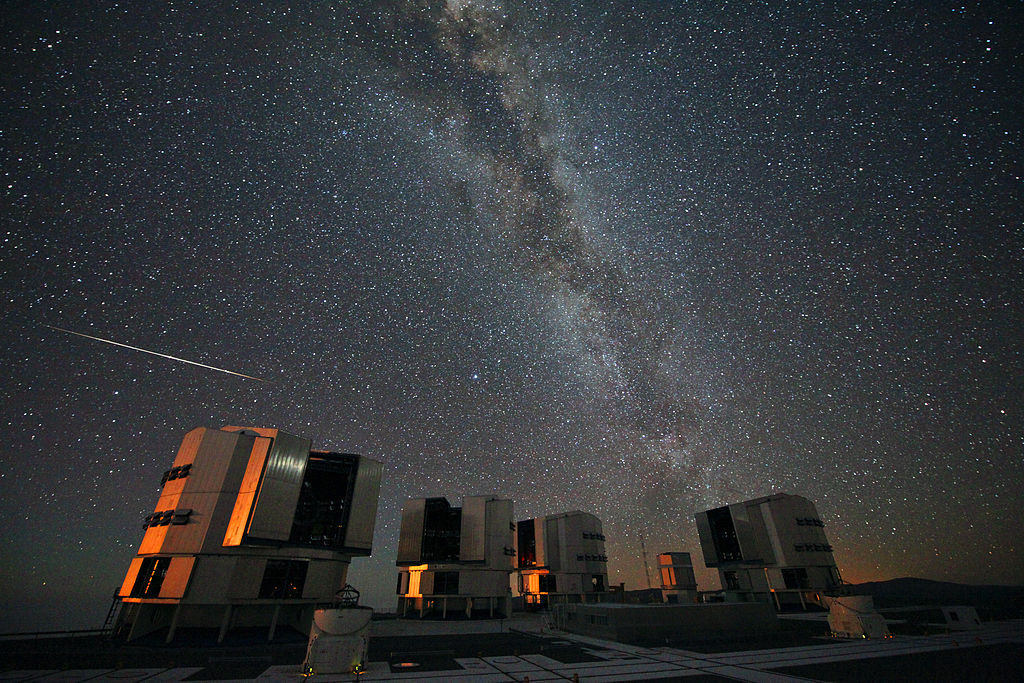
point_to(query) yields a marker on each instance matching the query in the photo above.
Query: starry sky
(635, 258)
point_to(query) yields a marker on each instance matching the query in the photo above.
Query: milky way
(461, 62)
(638, 259)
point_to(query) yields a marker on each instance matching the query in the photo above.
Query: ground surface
(520, 649)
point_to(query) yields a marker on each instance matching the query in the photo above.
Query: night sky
(634, 258)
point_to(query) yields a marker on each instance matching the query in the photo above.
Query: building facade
(769, 549)
(561, 559)
(252, 528)
(455, 561)
(678, 582)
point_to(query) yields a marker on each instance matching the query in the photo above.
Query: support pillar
(273, 622)
(225, 623)
(174, 624)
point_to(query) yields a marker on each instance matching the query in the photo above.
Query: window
(442, 529)
(284, 579)
(446, 583)
(795, 578)
(723, 534)
(321, 514)
(150, 577)
(527, 540)
(547, 583)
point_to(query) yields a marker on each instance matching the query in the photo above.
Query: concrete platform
(469, 652)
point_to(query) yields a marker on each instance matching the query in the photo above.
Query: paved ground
(483, 652)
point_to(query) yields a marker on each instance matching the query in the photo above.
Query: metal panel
(247, 492)
(499, 530)
(246, 575)
(471, 539)
(410, 538)
(176, 580)
(707, 543)
(212, 458)
(280, 485)
(427, 583)
(189, 446)
(556, 542)
(129, 578)
(540, 536)
(363, 507)
(746, 535)
(774, 552)
(153, 540)
(170, 493)
(324, 578)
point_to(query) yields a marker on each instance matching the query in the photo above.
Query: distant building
(561, 559)
(455, 561)
(772, 548)
(678, 582)
(657, 624)
(252, 528)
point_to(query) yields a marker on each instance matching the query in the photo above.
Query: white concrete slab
(131, 674)
(543, 662)
(511, 664)
(177, 674)
(287, 672)
(742, 674)
(644, 676)
(624, 672)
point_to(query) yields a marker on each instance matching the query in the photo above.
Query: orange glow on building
(415, 574)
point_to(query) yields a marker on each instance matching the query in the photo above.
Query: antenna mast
(647, 569)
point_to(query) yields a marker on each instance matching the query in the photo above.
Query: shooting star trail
(155, 353)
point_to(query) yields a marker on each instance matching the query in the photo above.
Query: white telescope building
(253, 528)
(770, 549)
(456, 561)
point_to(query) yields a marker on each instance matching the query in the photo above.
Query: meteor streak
(155, 353)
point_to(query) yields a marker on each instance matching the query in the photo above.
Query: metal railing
(36, 635)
